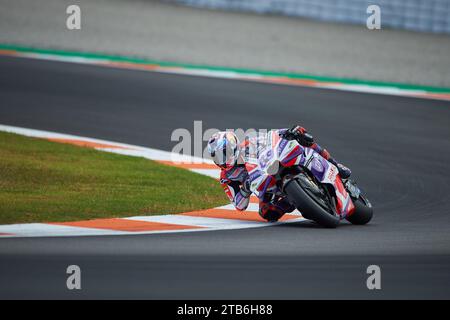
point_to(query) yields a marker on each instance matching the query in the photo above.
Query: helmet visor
(225, 157)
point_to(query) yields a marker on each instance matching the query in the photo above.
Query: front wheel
(310, 205)
(363, 211)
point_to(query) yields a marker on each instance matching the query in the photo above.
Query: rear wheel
(363, 211)
(312, 201)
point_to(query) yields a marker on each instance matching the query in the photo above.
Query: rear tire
(363, 211)
(309, 208)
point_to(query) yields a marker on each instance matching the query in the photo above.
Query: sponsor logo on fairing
(318, 165)
(332, 173)
(282, 145)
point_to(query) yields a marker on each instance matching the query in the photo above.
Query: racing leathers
(235, 181)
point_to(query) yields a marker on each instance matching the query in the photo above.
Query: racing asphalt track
(398, 148)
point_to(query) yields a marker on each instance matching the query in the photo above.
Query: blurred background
(326, 37)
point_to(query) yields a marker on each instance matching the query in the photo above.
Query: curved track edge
(220, 218)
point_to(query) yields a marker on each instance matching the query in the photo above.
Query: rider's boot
(344, 172)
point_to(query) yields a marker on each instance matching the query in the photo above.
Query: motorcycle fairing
(326, 172)
(288, 153)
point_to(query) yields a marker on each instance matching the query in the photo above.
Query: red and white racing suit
(233, 181)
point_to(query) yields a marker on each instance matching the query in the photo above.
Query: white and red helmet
(223, 148)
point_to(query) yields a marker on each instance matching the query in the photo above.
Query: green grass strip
(43, 181)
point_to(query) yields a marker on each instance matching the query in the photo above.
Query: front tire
(363, 211)
(309, 208)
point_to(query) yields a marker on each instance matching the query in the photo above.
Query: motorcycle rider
(228, 154)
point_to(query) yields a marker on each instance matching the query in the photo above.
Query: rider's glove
(299, 133)
(245, 189)
(298, 130)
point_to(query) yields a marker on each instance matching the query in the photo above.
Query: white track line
(392, 89)
(45, 230)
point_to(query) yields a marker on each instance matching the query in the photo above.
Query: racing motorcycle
(285, 168)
